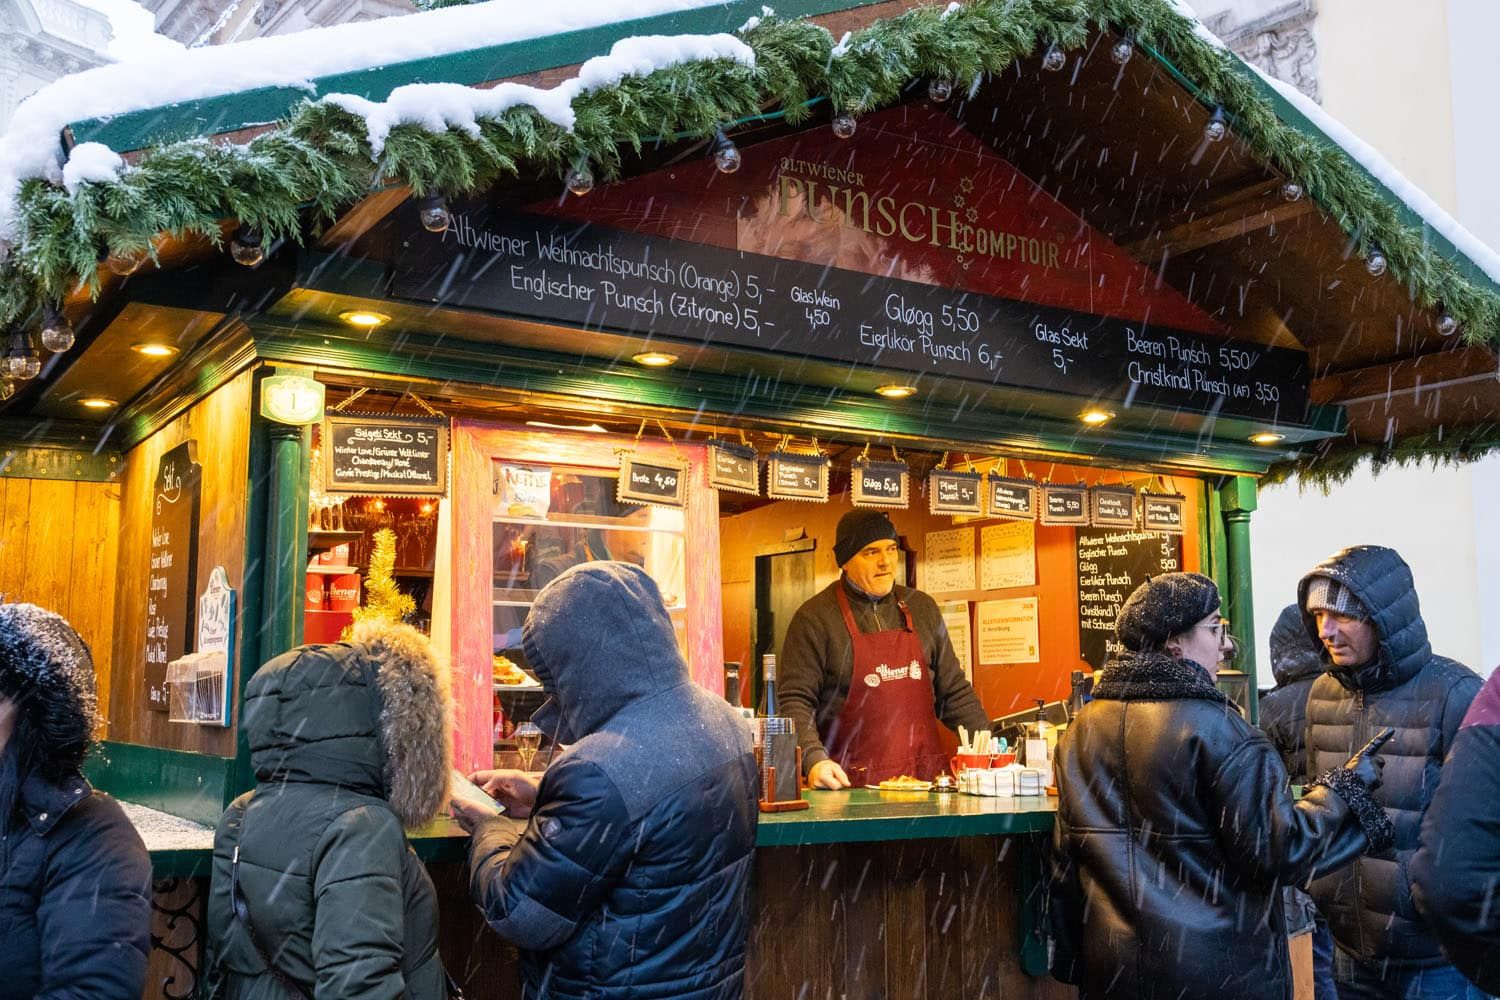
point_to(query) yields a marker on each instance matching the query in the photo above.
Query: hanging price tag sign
(794, 476)
(879, 484)
(1112, 507)
(1065, 504)
(1163, 512)
(734, 467)
(951, 492)
(1012, 498)
(661, 481)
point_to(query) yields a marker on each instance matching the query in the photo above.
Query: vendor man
(867, 670)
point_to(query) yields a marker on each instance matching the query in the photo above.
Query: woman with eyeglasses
(1175, 826)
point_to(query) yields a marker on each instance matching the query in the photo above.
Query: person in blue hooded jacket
(629, 878)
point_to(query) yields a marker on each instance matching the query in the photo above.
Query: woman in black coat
(75, 879)
(1175, 826)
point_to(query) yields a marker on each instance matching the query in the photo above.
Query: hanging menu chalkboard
(1111, 564)
(1065, 504)
(950, 492)
(1012, 498)
(733, 467)
(1112, 507)
(794, 476)
(172, 578)
(385, 456)
(879, 484)
(1163, 512)
(659, 481)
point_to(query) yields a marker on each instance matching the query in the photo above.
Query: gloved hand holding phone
(1366, 762)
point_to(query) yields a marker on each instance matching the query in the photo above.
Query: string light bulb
(1217, 127)
(57, 331)
(21, 361)
(125, 264)
(1122, 50)
(1375, 261)
(939, 89)
(1054, 59)
(726, 154)
(246, 248)
(1447, 325)
(843, 125)
(580, 179)
(7, 388)
(432, 212)
(1292, 191)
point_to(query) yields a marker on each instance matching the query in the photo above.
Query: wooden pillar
(1237, 500)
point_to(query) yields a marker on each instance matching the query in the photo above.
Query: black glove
(1366, 765)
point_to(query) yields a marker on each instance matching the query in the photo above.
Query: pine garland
(295, 178)
(384, 601)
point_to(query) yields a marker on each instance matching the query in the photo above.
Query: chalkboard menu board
(793, 476)
(499, 258)
(658, 482)
(1111, 564)
(385, 456)
(1065, 504)
(733, 467)
(950, 492)
(879, 484)
(1013, 498)
(172, 578)
(1163, 512)
(1112, 507)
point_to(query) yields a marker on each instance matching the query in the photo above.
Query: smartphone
(1372, 748)
(465, 789)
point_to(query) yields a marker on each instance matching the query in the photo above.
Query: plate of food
(505, 673)
(904, 783)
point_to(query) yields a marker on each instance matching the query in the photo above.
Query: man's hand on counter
(827, 774)
(513, 789)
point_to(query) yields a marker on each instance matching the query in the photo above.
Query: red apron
(887, 725)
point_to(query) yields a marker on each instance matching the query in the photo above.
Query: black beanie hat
(859, 528)
(1165, 606)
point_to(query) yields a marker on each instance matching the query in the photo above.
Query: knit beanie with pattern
(1324, 593)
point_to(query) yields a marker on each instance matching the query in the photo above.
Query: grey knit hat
(1165, 606)
(859, 528)
(1324, 593)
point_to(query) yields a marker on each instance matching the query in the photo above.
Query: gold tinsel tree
(383, 601)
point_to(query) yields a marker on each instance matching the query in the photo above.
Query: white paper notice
(956, 617)
(1007, 555)
(1007, 631)
(948, 561)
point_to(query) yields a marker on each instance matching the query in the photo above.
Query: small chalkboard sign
(734, 467)
(1163, 512)
(369, 455)
(879, 484)
(1065, 504)
(1113, 562)
(951, 492)
(662, 482)
(1012, 498)
(1112, 506)
(173, 570)
(794, 476)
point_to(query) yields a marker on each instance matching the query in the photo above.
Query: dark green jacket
(349, 742)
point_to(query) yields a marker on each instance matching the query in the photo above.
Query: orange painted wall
(1003, 688)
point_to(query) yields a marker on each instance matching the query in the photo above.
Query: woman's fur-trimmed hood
(374, 715)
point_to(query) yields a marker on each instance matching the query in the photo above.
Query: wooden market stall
(954, 259)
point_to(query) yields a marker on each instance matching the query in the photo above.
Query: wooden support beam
(363, 217)
(1227, 223)
(1440, 369)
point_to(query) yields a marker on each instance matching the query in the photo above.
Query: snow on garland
(328, 153)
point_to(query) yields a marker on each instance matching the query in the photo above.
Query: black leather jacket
(1369, 906)
(1175, 833)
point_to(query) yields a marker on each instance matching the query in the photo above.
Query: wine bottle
(768, 676)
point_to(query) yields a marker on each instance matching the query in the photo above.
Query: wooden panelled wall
(220, 424)
(1003, 688)
(58, 542)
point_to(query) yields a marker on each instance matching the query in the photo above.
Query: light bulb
(57, 332)
(843, 125)
(7, 389)
(580, 179)
(1292, 191)
(1446, 324)
(1217, 128)
(21, 361)
(432, 212)
(1375, 262)
(726, 153)
(246, 247)
(1054, 60)
(125, 264)
(1122, 50)
(939, 89)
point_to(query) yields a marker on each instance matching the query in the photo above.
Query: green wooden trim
(1237, 499)
(194, 786)
(864, 816)
(252, 588)
(84, 465)
(264, 105)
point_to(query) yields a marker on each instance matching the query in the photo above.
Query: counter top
(182, 848)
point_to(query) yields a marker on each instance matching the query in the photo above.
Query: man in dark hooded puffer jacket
(1361, 604)
(631, 878)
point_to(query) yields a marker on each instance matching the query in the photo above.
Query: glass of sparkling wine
(528, 738)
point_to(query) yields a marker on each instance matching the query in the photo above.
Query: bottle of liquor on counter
(776, 745)
(732, 691)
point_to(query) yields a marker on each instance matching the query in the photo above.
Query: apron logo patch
(873, 680)
(883, 673)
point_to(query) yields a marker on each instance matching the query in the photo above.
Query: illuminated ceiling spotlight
(1266, 437)
(1096, 417)
(896, 390)
(365, 319)
(654, 359)
(154, 349)
(99, 403)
